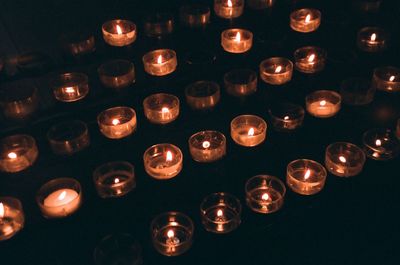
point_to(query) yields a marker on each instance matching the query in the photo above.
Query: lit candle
(161, 108)
(286, 116)
(163, 161)
(12, 217)
(323, 103)
(117, 74)
(195, 15)
(276, 70)
(228, 9)
(305, 20)
(387, 79)
(207, 146)
(202, 95)
(17, 152)
(236, 40)
(248, 130)
(160, 62)
(310, 59)
(372, 39)
(117, 122)
(344, 159)
(119, 32)
(381, 144)
(70, 87)
(240, 82)
(305, 177)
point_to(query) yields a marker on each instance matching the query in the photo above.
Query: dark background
(352, 221)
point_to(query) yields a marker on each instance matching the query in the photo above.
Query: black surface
(352, 221)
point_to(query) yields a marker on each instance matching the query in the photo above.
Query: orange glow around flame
(251, 132)
(119, 30)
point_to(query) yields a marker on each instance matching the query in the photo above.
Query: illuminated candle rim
(230, 35)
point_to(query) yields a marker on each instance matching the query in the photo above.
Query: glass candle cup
(260, 4)
(387, 79)
(240, 82)
(160, 62)
(78, 43)
(12, 217)
(276, 70)
(161, 108)
(59, 197)
(357, 91)
(202, 95)
(17, 152)
(310, 59)
(228, 9)
(207, 146)
(248, 130)
(305, 177)
(195, 15)
(372, 39)
(117, 122)
(380, 144)
(119, 32)
(286, 116)
(70, 87)
(163, 161)
(69, 137)
(323, 103)
(114, 179)
(265, 194)
(220, 213)
(344, 159)
(117, 74)
(305, 20)
(368, 5)
(236, 40)
(158, 24)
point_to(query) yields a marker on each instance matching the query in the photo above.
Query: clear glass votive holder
(160, 62)
(276, 70)
(240, 82)
(323, 103)
(163, 161)
(114, 179)
(59, 198)
(305, 20)
(117, 74)
(310, 59)
(236, 40)
(265, 194)
(260, 4)
(69, 137)
(286, 116)
(117, 122)
(70, 87)
(357, 91)
(17, 152)
(220, 213)
(380, 144)
(161, 108)
(202, 95)
(305, 177)
(12, 218)
(158, 24)
(119, 32)
(372, 39)
(195, 15)
(172, 233)
(344, 159)
(228, 9)
(207, 146)
(248, 130)
(387, 79)
(78, 43)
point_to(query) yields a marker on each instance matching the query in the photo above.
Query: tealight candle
(387, 79)
(207, 146)
(305, 177)
(265, 194)
(357, 91)
(12, 217)
(119, 32)
(117, 74)
(286, 116)
(305, 20)
(260, 4)
(17, 152)
(172, 233)
(195, 15)
(381, 144)
(160, 62)
(202, 95)
(114, 179)
(228, 9)
(158, 24)
(70, 87)
(240, 82)
(323, 103)
(372, 39)
(248, 130)
(163, 161)
(344, 159)
(161, 108)
(236, 40)
(220, 213)
(310, 59)
(69, 137)
(276, 70)
(78, 43)
(59, 198)
(117, 122)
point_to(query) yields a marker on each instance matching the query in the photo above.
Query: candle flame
(170, 233)
(322, 103)
(62, 195)
(250, 132)
(307, 174)
(119, 30)
(116, 180)
(342, 159)
(238, 36)
(115, 122)
(265, 197)
(69, 90)
(391, 79)
(378, 142)
(1, 210)
(286, 118)
(169, 156)
(165, 110)
(159, 59)
(206, 144)
(311, 58)
(12, 155)
(230, 4)
(308, 18)
(220, 213)
(278, 69)
(373, 37)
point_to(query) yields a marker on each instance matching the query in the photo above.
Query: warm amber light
(115, 122)
(159, 59)
(373, 37)
(169, 156)
(307, 174)
(322, 103)
(206, 144)
(265, 197)
(311, 58)
(342, 159)
(238, 36)
(165, 110)
(12, 155)
(230, 4)
(378, 142)
(170, 233)
(278, 69)
(391, 79)
(251, 132)
(69, 90)
(308, 18)
(119, 30)
(1, 210)
(62, 195)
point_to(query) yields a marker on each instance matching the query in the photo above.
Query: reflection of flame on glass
(115, 122)
(230, 4)
(238, 37)
(159, 59)
(62, 195)
(265, 197)
(311, 58)
(342, 159)
(391, 79)
(378, 142)
(373, 37)
(1, 210)
(278, 69)
(307, 174)
(308, 18)
(119, 30)
(206, 144)
(169, 156)
(12, 155)
(322, 103)
(250, 132)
